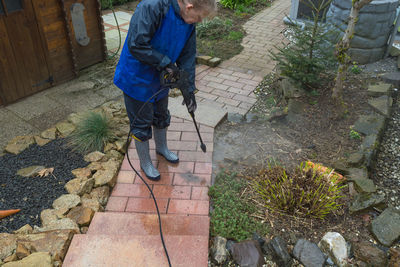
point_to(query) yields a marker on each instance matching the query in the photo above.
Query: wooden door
(24, 67)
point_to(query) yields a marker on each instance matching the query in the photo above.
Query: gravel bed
(34, 194)
(387, 170)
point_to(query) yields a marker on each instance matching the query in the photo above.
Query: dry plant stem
(343, 46)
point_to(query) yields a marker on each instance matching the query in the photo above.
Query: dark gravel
(34, 194)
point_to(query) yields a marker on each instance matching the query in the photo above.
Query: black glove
(190, 102)
(173, 70)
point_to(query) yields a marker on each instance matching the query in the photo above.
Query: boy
(161, 37)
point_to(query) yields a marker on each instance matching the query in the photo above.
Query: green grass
(92, 133)
(231, 215)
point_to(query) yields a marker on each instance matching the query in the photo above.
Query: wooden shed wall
(50, 55)
(95, 51)
(50, 17)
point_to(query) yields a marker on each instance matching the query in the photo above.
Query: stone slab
(118, 223)
(131, 251)
(205, 114)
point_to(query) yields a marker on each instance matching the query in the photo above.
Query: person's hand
(173, 70)
(190, 102)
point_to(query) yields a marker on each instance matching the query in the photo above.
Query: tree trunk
(343, 46)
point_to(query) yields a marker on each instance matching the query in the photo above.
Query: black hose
(138, 174)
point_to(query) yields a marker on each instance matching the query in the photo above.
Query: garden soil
(319, 133)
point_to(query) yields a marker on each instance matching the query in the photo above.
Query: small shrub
(355, 68)
(354, 135)
(233, 4)
(214, 28)
(92, 133)
(235, 35)
(106, 4)
(311, 190)
(231, 215)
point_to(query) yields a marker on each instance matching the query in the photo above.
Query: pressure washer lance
(181, 81)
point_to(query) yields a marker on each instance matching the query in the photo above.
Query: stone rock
(84, 229)
(18, 144)
(61, 224)
(364, 185)
(379, 89)
(381, 104)
(41, 141)
(113, 154)
(214, 62)
(386, 227)
(248, 254)
(341, 167)
(203, 59)
(370, 142)
(83, 173)
(394, 51)
(55, 242)
(94, 166)
(370, 254)
(75, 118)
(65, 128)
(101, 194)
(94, 156)
(24, 230)
(81, 215)
(21, 251)
(219, 253)
(30, 171)
(109, 147)
(398, 62)
(355, 159)
(364, 201)
(394, 257)
(335, 246)
(308, 253)
(79, 186)
(279, 251)
(393, 78)
(121, 145)
(67, 201)
(357, 173)
(369, 124)
(8, 243)
(47, 216)
(49, 134)
(13, 257)
(37, 259)
(108, 175)
(91, 203)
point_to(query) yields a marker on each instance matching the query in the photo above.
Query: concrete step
(140, 251)
(207, 114)
(124, 223)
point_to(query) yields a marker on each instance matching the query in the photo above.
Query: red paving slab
(136, 251)
(146, 205)
(195, 207)
(123, 223)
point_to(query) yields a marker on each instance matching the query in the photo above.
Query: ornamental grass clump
(92, 132)
(311, 190)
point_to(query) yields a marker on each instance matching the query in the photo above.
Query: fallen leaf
(45, 172)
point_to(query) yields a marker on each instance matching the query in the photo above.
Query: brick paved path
(127, 233)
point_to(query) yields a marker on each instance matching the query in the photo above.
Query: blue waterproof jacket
(157, 36)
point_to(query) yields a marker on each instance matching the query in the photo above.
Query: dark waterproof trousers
(156, 114)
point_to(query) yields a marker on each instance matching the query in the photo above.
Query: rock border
(72, 213)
